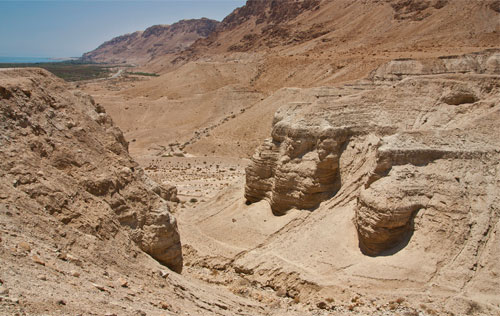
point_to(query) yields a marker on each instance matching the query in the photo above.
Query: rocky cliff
(261, 24)
(338, 25)
(425, 133)
(272, 12)
(62, 158)
(142, 46)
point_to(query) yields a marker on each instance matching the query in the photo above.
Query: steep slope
(386, 191)
(78, 219)
(268, 46)
(62, 155)
(354, 27)
(196, 99)
(80, 223)
(340, 38)
(376, 196)
(303, 154)
(157, 40)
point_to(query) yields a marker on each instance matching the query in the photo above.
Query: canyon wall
(61, 156)
(430, 124)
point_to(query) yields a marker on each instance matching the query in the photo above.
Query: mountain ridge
(141, 46)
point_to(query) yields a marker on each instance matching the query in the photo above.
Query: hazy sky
(68, 28)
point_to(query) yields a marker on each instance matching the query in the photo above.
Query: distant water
(29, 60)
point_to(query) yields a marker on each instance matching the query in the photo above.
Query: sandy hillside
(83, 230)
(314, 158)
(264, 47)
(378, 194)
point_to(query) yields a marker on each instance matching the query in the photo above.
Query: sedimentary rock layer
(421, 115)
(61, 151)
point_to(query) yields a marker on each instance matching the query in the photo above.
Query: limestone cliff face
(425, 126)
(415, 170)
(61, 154)
(298, 167)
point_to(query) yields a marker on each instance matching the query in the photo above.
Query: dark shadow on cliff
(400, 245)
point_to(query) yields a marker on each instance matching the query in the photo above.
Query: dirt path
(117, 74)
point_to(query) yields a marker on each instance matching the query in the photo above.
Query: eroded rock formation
(61, 152)
(298, 167)
(430, 119)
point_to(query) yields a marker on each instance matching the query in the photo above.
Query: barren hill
(398, 173)
(263, 47)
(63, 156)
(350, 26)
(329, 157)
(157, 40)
(83, 231)
(381, 190)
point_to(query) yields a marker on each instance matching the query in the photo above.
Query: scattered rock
(38, 260)
(74, 260)
(322, 305)
(164, 305)
(42, 277)
(62, 256)
(4, 291)
(24, 246)
(123, 282)
(178, 154)
(164, 274)
(281, 293)
(141, 313)
(99, 287)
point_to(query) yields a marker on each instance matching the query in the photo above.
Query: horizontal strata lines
(302, 165)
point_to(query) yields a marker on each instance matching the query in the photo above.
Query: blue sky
(68, 28)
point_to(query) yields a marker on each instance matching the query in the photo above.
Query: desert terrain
(301, 158)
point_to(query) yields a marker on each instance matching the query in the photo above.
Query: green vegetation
(73, 70)
(143, 74)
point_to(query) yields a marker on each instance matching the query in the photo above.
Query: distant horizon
(68, 29)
